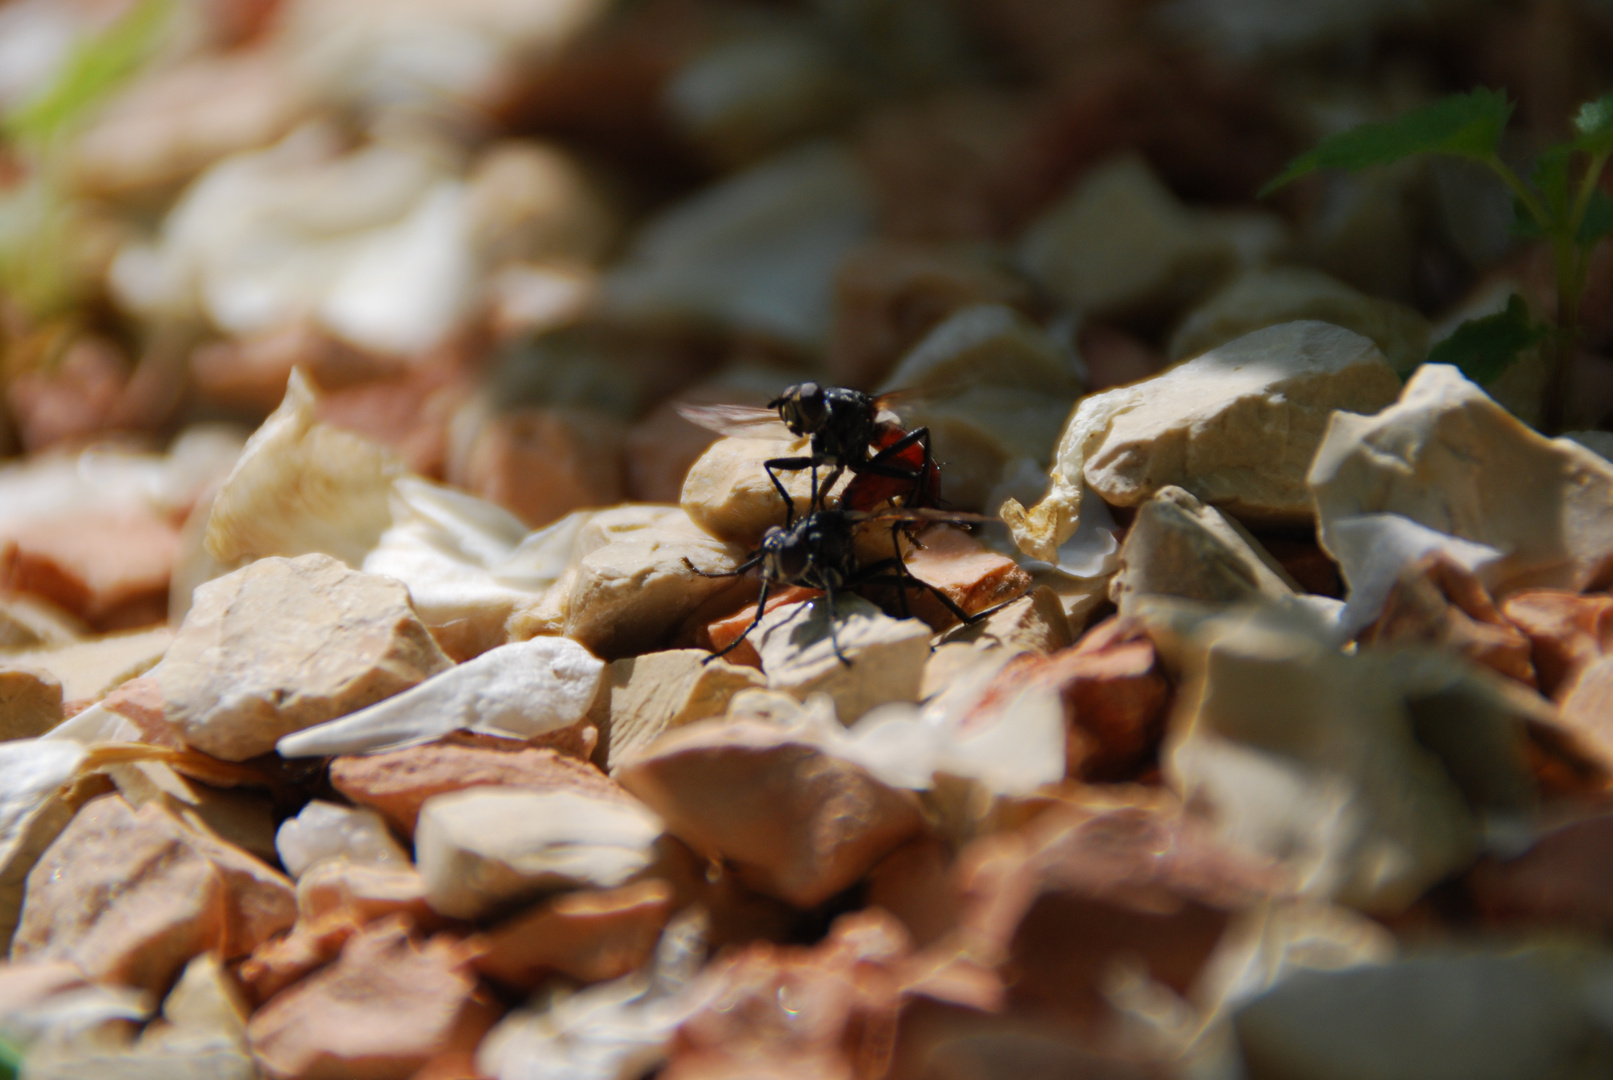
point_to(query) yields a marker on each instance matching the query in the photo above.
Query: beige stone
(30, 703)
(283, 644)
(302, 486)
(524, 690)
(1272, 295)
(387, 1006)
(364, 891)
(131, 895)
(590, 935)
(486, 847)
(1036, 621)
(887, 655)
(28, 622)
(37, 799)
(971, 575)
(109, 567)
(1305, 755)
(1120, 243)
(397, 783)
(793, 821)
(727, 492)
(88, 670)
(631, 588)
(645, 696)
(1177, 546)
(1236, 427)
(1449, 458)
(238, 816)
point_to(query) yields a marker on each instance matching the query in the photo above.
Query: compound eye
(791, 561)
(812, 403)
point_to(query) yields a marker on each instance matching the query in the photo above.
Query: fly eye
(810, 392)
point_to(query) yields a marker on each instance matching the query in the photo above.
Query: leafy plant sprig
(1564, 206)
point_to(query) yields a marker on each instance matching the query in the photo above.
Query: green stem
(1587, 187)
(1520, 190)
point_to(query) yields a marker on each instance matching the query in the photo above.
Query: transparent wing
(741, 421)
(926, 514)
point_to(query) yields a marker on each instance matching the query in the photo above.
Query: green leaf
(1524, 223)
(1466, 125)
(93, 70)
(1551, 180)
(1484, 348)
(1595, 126)
(1598, 219)
(10, 1060)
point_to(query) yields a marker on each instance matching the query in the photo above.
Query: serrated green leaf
(1466, 125)
(1598, 219)
(1595, 126)
(1484, 348)
(93, 70)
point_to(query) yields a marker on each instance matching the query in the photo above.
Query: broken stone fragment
(887, 655)
(793, 821)
(1307, 756)
(542, 463)
(1055, 903)
(302, 486)
(109, 568)
(1236, 427)
(828, 1009)
(522, 690)
(1440, 603)
(1177, 546)
(727, 492)
(1449, 458)
(647, 695)
(590, 935)
(1272, 295)
(385, 1008)
(481, 849)
(1120, 244)
(239, 816)
(970, 574)
(131, 895)
(1522, 1014)
(88, 670)
(1561, 881)
(631, 588)
(397, 783)
(1036, 621)
(37, 800)
(325, 830)
(284, 644)
(30, 703)
(1567, 633)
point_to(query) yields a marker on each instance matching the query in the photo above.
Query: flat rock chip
(88, 670)
(589, 935)
(37, 801)
(887, 655)
(385, 1008)
(486, 847)
(522, 690)
(131, 895)
(109, 568)
(1177, 546)
(647, 695)
(283, 644)
(1236, 427)
(1564, 880)
(795, 822)
(27, 622)
(1449, 458)
(397, 783)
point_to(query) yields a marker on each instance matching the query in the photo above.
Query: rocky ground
(360, 580)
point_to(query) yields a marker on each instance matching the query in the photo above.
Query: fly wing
(740, 421)
(924, 514)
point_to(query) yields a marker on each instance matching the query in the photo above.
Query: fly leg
(792, 464)
(735, 572)
(919, 496)
(834, 638)
(761, 609)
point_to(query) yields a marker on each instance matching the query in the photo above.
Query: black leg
(917, 435)
(735, 572)
(910, 582)
(834, 638)
(761, 609)
(790, 464)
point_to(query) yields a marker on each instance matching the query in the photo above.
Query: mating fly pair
(818, 550)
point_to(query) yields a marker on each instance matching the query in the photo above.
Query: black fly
(818, 551)
(842, 425)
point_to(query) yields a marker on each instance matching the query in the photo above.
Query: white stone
(327, 830)
(520, 690)
(482, 848)
(887, 655)
(1449, 458)
(1236, 427)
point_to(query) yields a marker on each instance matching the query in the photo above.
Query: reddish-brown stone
(589, 935)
